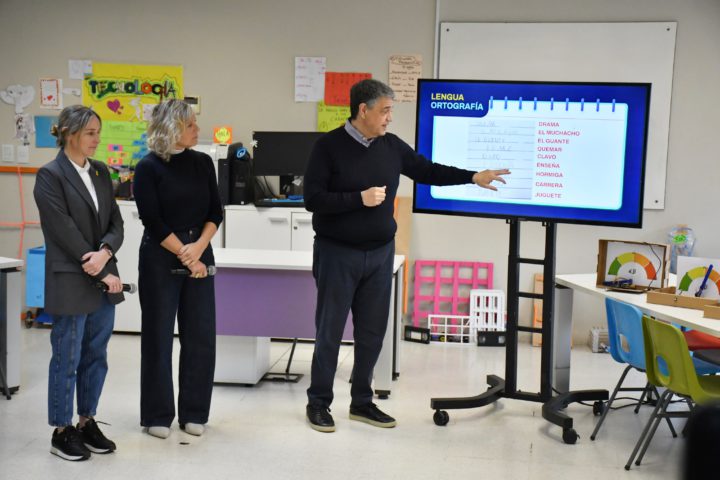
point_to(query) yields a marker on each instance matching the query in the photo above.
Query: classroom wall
(238, 57)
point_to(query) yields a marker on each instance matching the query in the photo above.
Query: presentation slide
(576, 151)
(557, 157)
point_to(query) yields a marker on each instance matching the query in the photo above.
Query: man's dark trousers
(349, 279)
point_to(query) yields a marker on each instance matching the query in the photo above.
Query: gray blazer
(72, 227)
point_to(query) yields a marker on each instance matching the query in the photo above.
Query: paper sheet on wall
(403, 73)
(310, 79)
(337, 86)
(51, 93)
(78, 69)
(329, 117)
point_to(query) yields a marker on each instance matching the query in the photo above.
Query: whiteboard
(573, 52)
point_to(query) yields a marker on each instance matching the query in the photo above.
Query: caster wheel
(598, 408)
(570, 436)
(441, 418)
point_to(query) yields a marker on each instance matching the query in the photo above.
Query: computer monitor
(282, 153)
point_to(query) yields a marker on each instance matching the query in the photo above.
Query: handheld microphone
(126, 287)
(184, 271)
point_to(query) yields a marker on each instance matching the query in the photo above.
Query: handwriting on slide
(403, 74)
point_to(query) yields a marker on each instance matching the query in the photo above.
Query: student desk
(585, 282)
(271, 293)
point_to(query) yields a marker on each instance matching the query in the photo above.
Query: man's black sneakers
(94, 439)
(68, 444)
(320, 418)
(370, 413)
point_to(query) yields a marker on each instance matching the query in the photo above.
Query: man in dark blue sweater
(350, 186)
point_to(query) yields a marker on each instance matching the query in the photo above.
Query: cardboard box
(712, 311)
(645, 264)
(668, 296)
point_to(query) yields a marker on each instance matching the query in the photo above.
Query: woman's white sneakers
(196, 429)
(159, 432)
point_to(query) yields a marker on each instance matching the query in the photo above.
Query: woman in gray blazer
(83, 229)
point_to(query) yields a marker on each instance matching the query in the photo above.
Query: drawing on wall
(19, 95)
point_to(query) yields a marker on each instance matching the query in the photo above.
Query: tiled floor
(260, 432)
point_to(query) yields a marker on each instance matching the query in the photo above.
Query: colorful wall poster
(122, 95)
(122, 143)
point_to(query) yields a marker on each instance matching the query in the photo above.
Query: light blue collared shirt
(355, 133)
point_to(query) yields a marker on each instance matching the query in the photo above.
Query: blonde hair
(167, 125)
(71, 120)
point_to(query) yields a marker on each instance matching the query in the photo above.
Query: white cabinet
(302, 232)
(278, 228)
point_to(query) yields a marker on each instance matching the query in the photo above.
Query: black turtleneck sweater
(178, 195)
(340, 168)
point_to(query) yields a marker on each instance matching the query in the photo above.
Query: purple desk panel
(267, 303)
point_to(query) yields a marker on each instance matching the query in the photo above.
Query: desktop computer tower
(241, 190)
(223, 166)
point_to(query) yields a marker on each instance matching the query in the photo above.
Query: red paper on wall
(337, 86)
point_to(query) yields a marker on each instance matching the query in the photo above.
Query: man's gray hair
(167, 125)
(368, 91)
(72, 119)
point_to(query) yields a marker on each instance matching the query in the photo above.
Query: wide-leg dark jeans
(354, 280)
(162, 295)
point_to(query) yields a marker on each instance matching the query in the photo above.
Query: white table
(10, 304)
(585, 283)
(245, 357)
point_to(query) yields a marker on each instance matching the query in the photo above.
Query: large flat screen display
(576, 150)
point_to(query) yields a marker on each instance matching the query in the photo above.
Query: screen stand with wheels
(507, 387)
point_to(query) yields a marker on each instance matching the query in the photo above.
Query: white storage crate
(450, 329)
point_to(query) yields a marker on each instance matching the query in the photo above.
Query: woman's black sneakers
(69, 445)
(94, 439)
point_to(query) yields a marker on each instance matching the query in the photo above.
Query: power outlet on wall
(8, 153)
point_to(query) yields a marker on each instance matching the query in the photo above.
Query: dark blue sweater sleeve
(422, 170)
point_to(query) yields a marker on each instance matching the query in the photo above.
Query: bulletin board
(573, 52)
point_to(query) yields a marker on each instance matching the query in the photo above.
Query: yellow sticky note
(329, 117)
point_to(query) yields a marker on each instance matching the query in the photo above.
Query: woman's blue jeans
(79, 360)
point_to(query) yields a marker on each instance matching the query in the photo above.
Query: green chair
(666, 350)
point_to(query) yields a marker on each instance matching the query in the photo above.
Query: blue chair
(625, 335)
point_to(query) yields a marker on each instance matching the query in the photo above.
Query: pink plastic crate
(443, 287)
